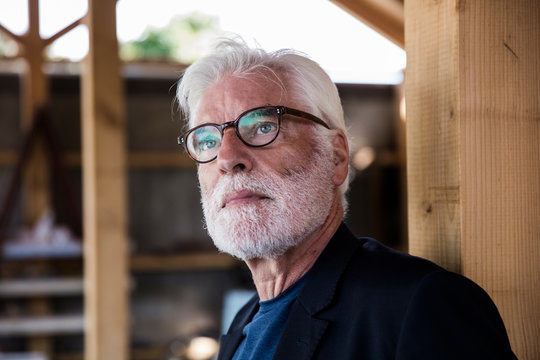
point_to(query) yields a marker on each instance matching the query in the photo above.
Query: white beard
(297, 204)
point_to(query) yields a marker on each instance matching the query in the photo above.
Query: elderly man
(268, 134)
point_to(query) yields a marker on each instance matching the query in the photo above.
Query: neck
(273, 276)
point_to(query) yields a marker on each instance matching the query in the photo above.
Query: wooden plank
(38, 341)
(142, 263)
(143, 159)
(431, 92)
(35, 94)
(37, 177)
(10, 34)
(473, 126)
(162, 159)
(41, 287)
(63, 31)
(42, 325)
(104, 189)
(500, 151)
(385, 16)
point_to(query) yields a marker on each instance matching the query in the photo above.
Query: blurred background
(182, 292)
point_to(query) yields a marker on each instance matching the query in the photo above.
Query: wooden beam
(35, 94)
(64, 31)
(13, 36)
(104, 189)
(472, 90)
(140, 159)
(183, 262)
(161, 159)
(37, 178)
(385, 16)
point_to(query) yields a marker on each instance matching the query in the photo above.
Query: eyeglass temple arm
(305, 115)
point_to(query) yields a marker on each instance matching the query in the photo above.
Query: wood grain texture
(473, 123)
(104, 190)
(500, 160)
(431, 92)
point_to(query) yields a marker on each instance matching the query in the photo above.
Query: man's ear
(341, 157)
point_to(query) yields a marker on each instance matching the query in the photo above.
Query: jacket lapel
(229, 342)
(301, 336)
(305, 328)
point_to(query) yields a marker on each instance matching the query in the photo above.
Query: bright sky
(346, 48)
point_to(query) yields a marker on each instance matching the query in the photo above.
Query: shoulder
(399, 306)
(429, 309)
(385, 272)
(363, 273)
(385, 283)
(373, 256)
(381, 268)
(463, 315)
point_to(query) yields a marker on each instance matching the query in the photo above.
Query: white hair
(308, 84)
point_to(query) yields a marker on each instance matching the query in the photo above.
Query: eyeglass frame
(280, 111)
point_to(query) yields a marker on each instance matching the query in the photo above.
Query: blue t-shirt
(262, 334)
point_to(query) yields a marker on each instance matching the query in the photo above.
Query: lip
(241, 197)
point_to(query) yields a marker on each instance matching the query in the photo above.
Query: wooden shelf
(140, 263)
(41, 287)
(166, 159)
(141, 159)
(42, 325)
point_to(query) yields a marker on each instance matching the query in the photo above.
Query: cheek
(293, 161)
(205, 179)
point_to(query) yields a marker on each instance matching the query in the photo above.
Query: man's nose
(233, 154)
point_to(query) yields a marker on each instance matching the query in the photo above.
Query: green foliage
(184, 39)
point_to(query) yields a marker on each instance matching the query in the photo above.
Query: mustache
(256, 183)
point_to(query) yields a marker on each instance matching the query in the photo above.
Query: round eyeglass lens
(259, 127)
(204, 143)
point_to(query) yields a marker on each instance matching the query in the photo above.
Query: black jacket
(362, 300)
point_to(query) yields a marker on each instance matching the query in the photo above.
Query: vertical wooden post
(473, 149)
(37, 179)
(104, 190)
(35, 93)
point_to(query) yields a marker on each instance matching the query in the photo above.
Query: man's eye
(207, 144)
(265, 128)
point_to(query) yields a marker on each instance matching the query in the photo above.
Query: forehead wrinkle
(259, 79)
(227, 98)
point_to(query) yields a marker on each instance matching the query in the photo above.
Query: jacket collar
(325, 274)
(230, 341)
(303, 330)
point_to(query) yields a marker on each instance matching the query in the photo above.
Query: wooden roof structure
(473, 127)
(385, 16)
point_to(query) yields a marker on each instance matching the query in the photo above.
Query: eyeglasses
(255, 127)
